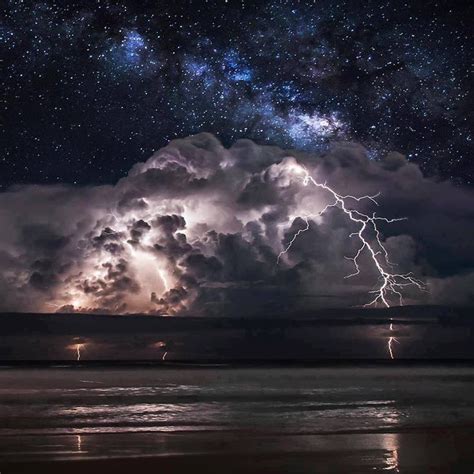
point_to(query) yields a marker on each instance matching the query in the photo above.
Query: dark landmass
(234, 364)
(89, 324)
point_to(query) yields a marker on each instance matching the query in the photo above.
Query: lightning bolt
(78, 351)
(390, 342)
(391, 283)
(161, 345)
(164, 280)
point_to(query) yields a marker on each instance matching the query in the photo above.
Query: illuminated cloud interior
(198, 229)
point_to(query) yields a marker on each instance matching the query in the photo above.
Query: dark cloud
(137, 230)
(197, 229)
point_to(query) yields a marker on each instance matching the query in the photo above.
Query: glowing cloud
(197, 230)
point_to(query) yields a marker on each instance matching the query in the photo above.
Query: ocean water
(291, 400)
(68, 411)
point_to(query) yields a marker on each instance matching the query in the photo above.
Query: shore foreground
(347, 419)
(433, 451)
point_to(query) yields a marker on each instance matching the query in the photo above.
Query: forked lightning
(391, 283)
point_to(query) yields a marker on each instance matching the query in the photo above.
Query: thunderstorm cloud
(197, 229)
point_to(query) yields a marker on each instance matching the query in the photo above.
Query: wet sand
(441, 450)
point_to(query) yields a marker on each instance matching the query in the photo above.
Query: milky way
(93, 87)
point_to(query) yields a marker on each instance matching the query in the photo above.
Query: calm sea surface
(293, 400)
(60, 410)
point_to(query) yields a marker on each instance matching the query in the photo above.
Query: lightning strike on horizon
(391, 284)
(390, 342)
(78, 351)
(161, 345)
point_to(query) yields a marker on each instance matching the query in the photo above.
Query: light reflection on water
(278, 400)
(79, 443)
(267, 415)
(391, 444)
(82, 405)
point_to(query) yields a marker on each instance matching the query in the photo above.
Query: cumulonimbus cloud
(198, 227)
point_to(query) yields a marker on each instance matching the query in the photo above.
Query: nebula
(198, 227)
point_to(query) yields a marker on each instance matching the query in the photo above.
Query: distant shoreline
(90, 324)
(233, 364)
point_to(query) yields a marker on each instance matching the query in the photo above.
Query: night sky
(199, 158)
(91, 88)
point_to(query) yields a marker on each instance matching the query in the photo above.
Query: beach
(265, 419)
(436, 450)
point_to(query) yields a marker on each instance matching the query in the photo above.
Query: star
(93, 89)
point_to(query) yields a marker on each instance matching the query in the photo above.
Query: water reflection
(79, 443)
(285, 409)
(391, 445)
(391, 442)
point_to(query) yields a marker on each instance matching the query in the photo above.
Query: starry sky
(90, 88)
